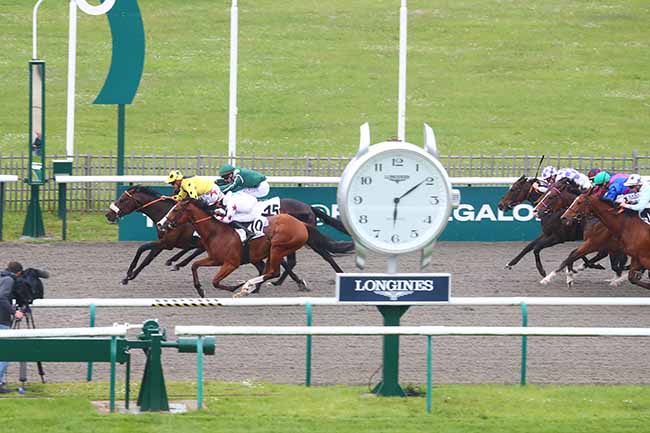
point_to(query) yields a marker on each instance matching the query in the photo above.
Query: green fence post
(199, 372)
(89, 373)
(429, 374)
(389, 385)
(308, 361)
(524, 344)
(113, 359)
(127, 390)
(2, 205)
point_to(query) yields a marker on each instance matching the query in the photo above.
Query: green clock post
(36, 148)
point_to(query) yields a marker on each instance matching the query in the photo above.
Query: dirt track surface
(95, 269)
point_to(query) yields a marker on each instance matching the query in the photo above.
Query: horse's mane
(146, 190)
(571, 185)
(202, 205)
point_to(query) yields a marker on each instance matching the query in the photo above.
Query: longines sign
(389, 289)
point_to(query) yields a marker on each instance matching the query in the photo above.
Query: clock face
(397, 198)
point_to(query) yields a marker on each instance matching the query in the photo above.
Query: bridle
(139, 205)
(173, 223)
(542, 203)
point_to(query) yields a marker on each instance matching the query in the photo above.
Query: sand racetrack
(81, 269)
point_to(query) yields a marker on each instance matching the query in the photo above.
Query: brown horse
(553, 231)
(597, 237)
(284, 235)
(627, 226)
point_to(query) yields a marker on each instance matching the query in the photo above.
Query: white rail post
(72, 66)
(401, 97)
(232, 111)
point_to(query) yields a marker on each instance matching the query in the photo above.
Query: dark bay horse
(154, 205)
(283, 235)
(597, 237)
(627, 226)
(553, 231)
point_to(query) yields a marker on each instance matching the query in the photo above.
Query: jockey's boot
(238, 225)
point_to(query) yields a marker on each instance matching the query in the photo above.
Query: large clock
(395, 197)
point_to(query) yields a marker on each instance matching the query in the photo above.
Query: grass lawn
(491, 76)
(258, 407)
(82, 226)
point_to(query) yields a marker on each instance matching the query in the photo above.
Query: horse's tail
(326, 219)
(318, 241)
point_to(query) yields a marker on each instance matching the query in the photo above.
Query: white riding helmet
(548, 172)
(633, 180)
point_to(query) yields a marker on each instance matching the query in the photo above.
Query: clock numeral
(363, 219)
(357, 199)
(398, 162)
(414, 234)
(394, 239)
(379, 166)
(376, 233)
(433, 199)
(417, 167)
(429, 181)
(366, 180)
(428, 220)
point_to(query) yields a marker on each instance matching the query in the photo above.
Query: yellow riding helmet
(173, 176)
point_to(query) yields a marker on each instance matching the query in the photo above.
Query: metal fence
(95, 197)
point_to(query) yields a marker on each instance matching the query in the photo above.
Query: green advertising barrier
(476, 219)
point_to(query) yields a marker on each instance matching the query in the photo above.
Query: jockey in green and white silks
(242, 188)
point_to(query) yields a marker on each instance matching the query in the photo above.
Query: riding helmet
(226, 169)
(633, 180)
(548, 172)
(593, 172)
(173, 176)
(602, 178)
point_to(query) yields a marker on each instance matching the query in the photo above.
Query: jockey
(580, 179)
(642, 201)
(610, 187)
(174, 178)
(242, 188)
(592, 173)
(201, 188)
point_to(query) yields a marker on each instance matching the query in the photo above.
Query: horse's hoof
(544, 281)
(508, 266)
(168, 263)
(275, 283)
(174, 268)
(303, 286)
(200, 291)
(124, 282)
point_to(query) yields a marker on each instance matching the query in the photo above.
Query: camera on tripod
(28, 287)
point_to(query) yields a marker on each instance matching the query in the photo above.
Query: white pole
(34, 35)
(72, 64)
(401, 98)
(232, 119)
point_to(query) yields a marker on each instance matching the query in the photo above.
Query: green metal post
(34, 221)
(429, 375)
(389, 386)
(127, 390)
(308, 361)
(199, 373)
(121, 114)
(2, 205)
(89, 373)
(113, 358)
(524, 344)
(153, 393)
(63, 209)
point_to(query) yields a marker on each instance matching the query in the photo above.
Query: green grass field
(258, 407)
(491, 76)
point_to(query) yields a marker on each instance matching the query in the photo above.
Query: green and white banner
(476, 219)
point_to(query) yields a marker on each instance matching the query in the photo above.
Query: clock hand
(411, 190)
(396, 201)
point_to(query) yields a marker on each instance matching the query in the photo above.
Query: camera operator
(7, 310)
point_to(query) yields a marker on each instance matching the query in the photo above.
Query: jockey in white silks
(551, 175)
(638, 198)
(242, 188)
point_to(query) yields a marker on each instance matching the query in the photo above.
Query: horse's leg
(291, 263)
(260, 266)
(207, 261)
(546, 243)
(176, 257)
(585, 248)
(197, 251)
(152, 255)
(635, 275)
(141, 249)
(525, 251)
(225, 270)
(288, 269)
(272, 270)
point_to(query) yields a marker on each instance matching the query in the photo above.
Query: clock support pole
(389, 386)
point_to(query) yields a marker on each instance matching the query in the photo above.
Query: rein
(146, 205)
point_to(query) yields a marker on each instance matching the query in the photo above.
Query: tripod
(29, 324)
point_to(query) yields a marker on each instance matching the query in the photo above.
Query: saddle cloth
(262, 210)
(645, 215)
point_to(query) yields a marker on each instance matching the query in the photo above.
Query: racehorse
(553, 231)
(283, 235)
(597, 237)
(633, 233)
(154, 205)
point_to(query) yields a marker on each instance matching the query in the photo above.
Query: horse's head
(580, 208)
(558, 196)
(133, 199)
(176, 216)
(518, 193)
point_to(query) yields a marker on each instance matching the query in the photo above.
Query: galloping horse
(633, 233)
(154, 205)
(553, 231)
(597, 237)
(283, 235)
